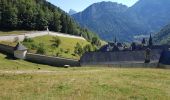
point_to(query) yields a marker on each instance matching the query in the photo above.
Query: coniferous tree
(37, 15)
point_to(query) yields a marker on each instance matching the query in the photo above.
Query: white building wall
(20, 54)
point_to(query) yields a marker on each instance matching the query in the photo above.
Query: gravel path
(51, 72)
(33, 34)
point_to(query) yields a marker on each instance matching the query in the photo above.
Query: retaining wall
(54, 61)
(6, 49)
(41, 59)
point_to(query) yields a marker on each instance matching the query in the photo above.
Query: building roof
(20, 47)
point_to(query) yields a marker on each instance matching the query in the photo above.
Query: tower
(150, 40)
(115, 40)
(143, 42)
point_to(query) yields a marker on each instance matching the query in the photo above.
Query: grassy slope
(81, 83)
(66, 44)
(7, 63)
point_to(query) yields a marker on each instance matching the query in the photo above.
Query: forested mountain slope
(37, 15)
(163, 37)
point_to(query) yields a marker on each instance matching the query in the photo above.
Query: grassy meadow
(21, 80)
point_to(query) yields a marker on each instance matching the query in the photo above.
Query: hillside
(152, 13)
(65, 49)
(9, 63)
(60, 46)
(110, 19)
(163, 36)
(38, 15)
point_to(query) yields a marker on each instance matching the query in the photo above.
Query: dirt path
(50, 72)
(32, 34)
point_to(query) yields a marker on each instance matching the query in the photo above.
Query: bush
(28, 40)
(67, 51)
(56, 42)
(78, 49)
(41, 49)
(88, 48)
(33, 46)
(96, 41)
(58, 54)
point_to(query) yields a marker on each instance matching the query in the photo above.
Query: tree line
(38, 15)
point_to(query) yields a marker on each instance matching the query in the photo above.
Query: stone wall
(6, 49)
(122, 57)
(165, 58)
(41, 59)
(54, 61)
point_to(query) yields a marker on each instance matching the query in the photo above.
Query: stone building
(20, 51)
(118, 53)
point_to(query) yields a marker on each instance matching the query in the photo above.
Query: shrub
(61, 50)
(87, 48)
(96, 41)
(41, 49)
(78, 49)
(67, 51)
(33, 46)
(58, 54)
(28, 40)
(56, 42)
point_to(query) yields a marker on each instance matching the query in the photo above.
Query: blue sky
(79, 5)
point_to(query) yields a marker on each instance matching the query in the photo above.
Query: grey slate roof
(20, 47)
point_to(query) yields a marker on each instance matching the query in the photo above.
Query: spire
(143, 41)
(115, 40)
(150, 40)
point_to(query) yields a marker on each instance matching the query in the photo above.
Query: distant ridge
(71, 12)
(110, 19)
(163, 36)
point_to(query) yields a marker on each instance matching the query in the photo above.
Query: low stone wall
(41, 59)
(54, 61)
(6, 49)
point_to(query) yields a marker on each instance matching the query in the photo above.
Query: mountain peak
(72, 12)
(107, 6)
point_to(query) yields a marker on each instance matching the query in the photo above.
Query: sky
(80, 5)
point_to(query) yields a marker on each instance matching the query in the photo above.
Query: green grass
(67, 44)
(25, 82)
(8, 63)
(11, 32)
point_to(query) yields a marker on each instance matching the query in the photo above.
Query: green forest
(38, 15)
